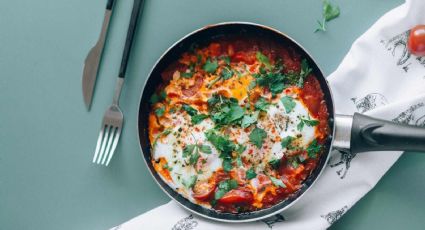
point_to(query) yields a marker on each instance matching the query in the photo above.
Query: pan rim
(331, 121)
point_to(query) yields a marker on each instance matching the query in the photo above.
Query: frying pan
(358, 133)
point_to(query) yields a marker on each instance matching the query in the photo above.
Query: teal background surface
(47, 138)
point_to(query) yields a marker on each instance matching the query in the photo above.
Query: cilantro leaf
(227, 164)
(198, 118)
(186, 74)
(277, 88)
(275, 163)
(226, 59)
(205, 149)
(158, 97)
(224, 187)
(277, 182)
(286, 142)
(262, 104)
(313, 149)
(263, 59)
(225, 111)
(160, 111)
(194, 157)
(221, 143)
(226, 73)
(190, 182)
(188, 150)
(307, 122)
(305, 71)
(250, 174)
(190, 110)
(249, 119)
(210, 66)
(288, 103)
(329, 12)
(257, 137)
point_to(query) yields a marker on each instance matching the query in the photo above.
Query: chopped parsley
(195, 117)
(305, 71)
(262, 104)
(190, 110)
(192, 151)
(329, 12)
(210, 66)
(249, 119)
(257, 137)
(264, 60)
(225, 146)
(250, 174)
(160, 111)
(158, 97)
(275, 163)
(307, 122)
(288, 103)
(190, 182)
(224, 187)
(277, 182)
(287, 141)
(313, 149)
(225, 111)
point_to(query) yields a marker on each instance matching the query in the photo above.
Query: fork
(113, 119)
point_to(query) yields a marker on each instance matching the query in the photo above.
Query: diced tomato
(247, 58)
(215, 49)
(203, 190)
(237, 196)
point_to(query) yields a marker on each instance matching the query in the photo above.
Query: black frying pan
(358, 133)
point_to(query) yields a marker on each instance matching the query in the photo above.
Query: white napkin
(377, 77)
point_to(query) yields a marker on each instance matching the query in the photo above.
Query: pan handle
(361, 133)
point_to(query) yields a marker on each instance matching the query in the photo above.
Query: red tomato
(195, 88)
(248, 58)
(203, 190)
(416, 41)
(237, 196)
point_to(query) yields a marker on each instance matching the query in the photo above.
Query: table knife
(91, 64)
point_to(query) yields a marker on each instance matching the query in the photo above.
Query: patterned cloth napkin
(378, 77)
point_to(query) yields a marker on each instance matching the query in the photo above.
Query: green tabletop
(47, 138)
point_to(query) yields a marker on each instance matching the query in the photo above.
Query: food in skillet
(238, 124)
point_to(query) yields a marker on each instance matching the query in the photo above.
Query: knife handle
(110, 4)
(137, 5)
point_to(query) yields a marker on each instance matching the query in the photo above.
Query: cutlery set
(113, 118)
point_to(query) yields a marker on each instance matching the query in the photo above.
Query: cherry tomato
(237, 196)
(416, 41)
(203, 190)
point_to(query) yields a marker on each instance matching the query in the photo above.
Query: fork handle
(137, 5)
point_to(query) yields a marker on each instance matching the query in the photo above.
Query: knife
(91, 64)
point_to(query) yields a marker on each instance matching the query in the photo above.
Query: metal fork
(113, 119)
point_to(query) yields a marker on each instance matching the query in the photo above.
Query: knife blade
(91, 64)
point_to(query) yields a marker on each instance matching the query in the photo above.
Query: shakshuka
(238, 124)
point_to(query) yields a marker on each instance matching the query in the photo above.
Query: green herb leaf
(257, 137)
(313, 149)
(275, 163)
(277, 88)
(288, 103)
(186, 74)
(329, 13)
(221, 143)
(198, 118)
(160, 111)
(286, 142)
(205, 149)
(250, 174)
(166, 166)
(307, 122)
(190, 182)
(194, 157)
(300, 125)
(252, 85)
(188, 150)
(305, 71)
(158, 97)
(210, 66)
(226, 73)
(190, 110)
(224, 187)
(249, 119)
(262, 104)
(227, 164)
(277, 182)
(226, 59)
(263, 59)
